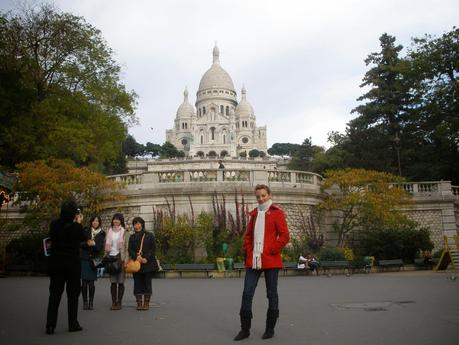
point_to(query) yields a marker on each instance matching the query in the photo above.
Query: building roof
(216, 77)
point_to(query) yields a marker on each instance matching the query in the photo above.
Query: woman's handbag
(112, 264)
(133, 266)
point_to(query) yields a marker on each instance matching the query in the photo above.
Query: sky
(302, 62)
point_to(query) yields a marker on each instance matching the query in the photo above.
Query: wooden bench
(327, 265)
(391, 263)
(239, 267)
(420, 263)
(206, 268)
(362, 264)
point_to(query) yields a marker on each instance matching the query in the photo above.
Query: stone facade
(219, 126)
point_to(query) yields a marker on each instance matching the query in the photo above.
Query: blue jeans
(250, 284)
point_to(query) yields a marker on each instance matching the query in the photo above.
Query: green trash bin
(221, 264)
(229, 264)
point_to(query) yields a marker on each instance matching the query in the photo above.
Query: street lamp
(397, 149)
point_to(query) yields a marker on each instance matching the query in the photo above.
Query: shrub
(331, 254)
(27, 250)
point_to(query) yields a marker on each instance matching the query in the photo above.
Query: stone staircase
(453, 246)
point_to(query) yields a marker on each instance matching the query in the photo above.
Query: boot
(92, 290)
(146, 302)
(114, 294)
(120, 295)
(246, 323)
(138, 299)
(271, 319)
(84, 294)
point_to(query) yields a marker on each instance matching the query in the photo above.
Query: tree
(254, 153)
(364, 197)
(283, 149)
(302, 158)
(152, 149)
(168, 150)
(60, 91)
(44, 185)
(132, 148)
(372, 135)
(435, 122)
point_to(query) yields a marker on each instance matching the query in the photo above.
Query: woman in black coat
(145, 254)
(64, 269)
(90, 257)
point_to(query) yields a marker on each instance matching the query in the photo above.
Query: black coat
(148, 250)
(65, 245)
(96, 251)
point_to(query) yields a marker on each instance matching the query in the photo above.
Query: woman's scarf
(95, 232)
(259, 234)
(108, 242)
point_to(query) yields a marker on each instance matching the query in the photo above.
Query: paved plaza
(391, 308)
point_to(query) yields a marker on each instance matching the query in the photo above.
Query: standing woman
(116, 249)
(64, 269)
(142, 249)
(89, 257)
(266, 235)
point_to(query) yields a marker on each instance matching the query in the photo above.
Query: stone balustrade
(281, 178)
(431, 188)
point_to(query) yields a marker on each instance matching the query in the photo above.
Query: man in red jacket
(266, 235)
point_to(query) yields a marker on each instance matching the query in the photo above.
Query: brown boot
(146, 302)
(138, 299)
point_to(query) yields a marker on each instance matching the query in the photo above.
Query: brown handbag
(133, 266)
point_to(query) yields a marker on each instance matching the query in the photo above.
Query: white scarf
(259, 234)
(95, 232)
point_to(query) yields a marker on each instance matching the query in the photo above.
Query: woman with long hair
(90, 257)
(116, 251)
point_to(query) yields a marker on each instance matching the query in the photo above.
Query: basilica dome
(244, 108)
(185, 109)
(216, 77)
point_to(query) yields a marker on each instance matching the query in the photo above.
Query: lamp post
(397, 149)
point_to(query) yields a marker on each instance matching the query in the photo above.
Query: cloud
(301, 61)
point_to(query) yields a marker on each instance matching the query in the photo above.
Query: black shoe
(49, 330)
(242, 335)
(75, 328)
(269, 333)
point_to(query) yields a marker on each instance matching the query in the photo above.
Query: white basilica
(219, 126)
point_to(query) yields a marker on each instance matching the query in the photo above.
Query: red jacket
(276, 238)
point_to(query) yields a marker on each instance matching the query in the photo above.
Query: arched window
(202, 139)
(199, 112)
(212, 133)
(203, 110)
(222, 109)
(224, 139)
(227, 110)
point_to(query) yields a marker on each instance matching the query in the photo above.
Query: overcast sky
(301, 61)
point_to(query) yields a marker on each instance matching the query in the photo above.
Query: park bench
(194, 268)
(420, 263)
(327, 265)
(239, 267)
(364, 264)
(293, 266)
(391, 263)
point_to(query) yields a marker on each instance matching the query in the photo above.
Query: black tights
(88, 285)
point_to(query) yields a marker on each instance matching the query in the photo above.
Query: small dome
(185, 109)
(216, 76)
(244, 108)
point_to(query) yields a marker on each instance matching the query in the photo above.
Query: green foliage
(254, 153)
(331, 254)
(60, 91)
(403, 241)
(243, 154)
(407, 122)
(283, 149)
(27, 250)
(168, 150)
